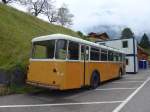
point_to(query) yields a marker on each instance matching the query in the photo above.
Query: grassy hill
(16, 31)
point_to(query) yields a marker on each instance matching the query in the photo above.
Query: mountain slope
(16, 31)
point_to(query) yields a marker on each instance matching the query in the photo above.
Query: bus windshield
(43, 49)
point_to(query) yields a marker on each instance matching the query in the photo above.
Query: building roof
(142, 50)
(114, 39)
(102, 36)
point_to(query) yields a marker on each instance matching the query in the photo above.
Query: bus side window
(61, 49)
(120, 57)
(87, 50)
(123, 58)
(73, 51)
(51, 49)
(82, 52)
(110, 56)
(94, 54)
(103, 55)
(116, 57)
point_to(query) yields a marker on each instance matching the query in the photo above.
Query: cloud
(90, 13)
(131, 13)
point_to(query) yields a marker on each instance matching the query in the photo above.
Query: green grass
(14, 89)
(23, 89)
(16, 31)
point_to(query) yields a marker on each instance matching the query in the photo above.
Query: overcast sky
(131, 13)
(89, 13)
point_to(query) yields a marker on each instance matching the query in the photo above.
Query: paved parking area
(124, 95)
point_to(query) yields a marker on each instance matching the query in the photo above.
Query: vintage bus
(64, 62)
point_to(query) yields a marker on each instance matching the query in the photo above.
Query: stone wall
(16, 76)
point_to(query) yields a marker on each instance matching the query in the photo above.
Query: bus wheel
(95, 80)
(120, 73)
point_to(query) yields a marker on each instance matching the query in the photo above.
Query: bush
(4, 90)
(18, 74)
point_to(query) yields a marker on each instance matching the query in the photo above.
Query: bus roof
(71, 38)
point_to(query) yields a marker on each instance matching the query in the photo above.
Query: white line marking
(107, 89)
(127, 81)
(128, 75)
(131, 78)
(118, 109)
(59, 104)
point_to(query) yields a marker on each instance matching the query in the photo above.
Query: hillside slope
(16, 31)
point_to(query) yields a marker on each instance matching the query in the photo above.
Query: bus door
(85, 60)
(74, 66)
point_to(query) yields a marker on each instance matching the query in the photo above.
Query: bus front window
(43, 49)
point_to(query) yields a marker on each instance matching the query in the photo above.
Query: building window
(125, 44)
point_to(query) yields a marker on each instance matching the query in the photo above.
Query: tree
(64, 17)
(145, 43)
(50, 11)
(80, 33)
(127, 33)
(35, 7)
(7, 1)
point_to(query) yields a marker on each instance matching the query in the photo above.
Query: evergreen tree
(145, 43)
(80, 33)
(127, 33)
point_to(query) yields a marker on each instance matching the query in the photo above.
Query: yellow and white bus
(64, 62)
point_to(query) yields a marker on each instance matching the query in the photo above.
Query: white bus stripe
(59, 104)
(118, 109)
(131, 78)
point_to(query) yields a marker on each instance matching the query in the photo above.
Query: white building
(130, 47)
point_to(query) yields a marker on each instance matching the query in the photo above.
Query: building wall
(118, 45)
(131, 65)
(131, 52)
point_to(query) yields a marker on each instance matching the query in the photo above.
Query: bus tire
(120, 74)
(95, 80)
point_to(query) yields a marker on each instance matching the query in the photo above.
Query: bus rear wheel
(95, 80)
